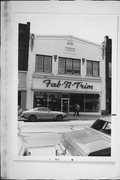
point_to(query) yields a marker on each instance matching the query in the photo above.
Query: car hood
(85, 141)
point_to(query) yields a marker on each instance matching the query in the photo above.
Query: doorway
(65, 105)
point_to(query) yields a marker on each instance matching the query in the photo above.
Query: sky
(88, 27)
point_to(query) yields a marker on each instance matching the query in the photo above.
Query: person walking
(77, 109)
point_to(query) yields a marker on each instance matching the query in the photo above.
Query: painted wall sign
(67, 84)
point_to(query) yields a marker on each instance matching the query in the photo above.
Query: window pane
(47, 64)
(89, 68)
(76, 66)
(95, 68)
(61, 65)
(69, 66)
(39, 63)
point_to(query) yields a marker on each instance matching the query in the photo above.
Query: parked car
(92, 141)
(43, 113)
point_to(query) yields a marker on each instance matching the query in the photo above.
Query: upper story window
(92, 68)
(43, 63)
(69, 66)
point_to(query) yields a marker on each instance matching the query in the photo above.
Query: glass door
(65, 105)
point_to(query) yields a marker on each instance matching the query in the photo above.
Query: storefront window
(91, 102)
(49, 99)
(92, 68)
(43, 63)
(87, 102)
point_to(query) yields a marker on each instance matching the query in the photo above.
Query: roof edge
(66, 37)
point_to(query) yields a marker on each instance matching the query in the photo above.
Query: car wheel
(32, 118)
(59, 118)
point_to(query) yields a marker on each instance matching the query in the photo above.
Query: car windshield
(103, 126)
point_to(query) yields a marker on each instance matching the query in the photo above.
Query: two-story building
(63, 71)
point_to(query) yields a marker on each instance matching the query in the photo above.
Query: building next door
(65, 105)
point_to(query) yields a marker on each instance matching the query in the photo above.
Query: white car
(92, 141)
(43, 113)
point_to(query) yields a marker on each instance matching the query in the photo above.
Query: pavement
(82, 117)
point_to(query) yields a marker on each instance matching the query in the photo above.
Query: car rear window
(103, 126)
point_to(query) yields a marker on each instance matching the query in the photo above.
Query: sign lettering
(67, 84)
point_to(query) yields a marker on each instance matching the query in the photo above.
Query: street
(42, 137)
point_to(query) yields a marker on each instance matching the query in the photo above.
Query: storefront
(62, 95)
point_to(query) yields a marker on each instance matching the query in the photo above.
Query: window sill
(93, 77)
(69, 75)
(38, 74)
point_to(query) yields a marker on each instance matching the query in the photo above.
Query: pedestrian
(20, 110)
(77, 109)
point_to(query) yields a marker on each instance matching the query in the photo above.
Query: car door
(47, 113)
(44, 113)
(41, 113)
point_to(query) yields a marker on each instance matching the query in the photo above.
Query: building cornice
(66, 37)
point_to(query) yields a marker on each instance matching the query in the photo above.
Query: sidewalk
(82, 117)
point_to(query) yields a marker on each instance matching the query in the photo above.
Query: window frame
(93, 68)
(65, 67)
(43, 68)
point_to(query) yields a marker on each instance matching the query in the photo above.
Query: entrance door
(65, 105)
